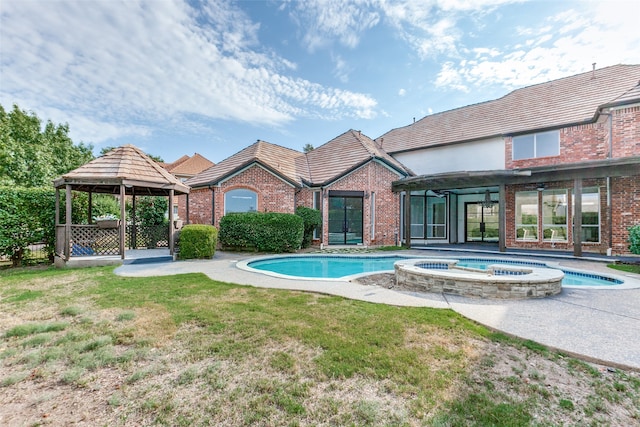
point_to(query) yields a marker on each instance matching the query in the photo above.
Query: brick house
(184, 168)
(348, 179)
(554, 165)
(550, 166)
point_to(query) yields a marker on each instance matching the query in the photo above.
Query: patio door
(345, 218)
(481, 223)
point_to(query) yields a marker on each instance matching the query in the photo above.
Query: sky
(177, 77)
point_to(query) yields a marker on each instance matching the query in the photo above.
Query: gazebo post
(122, 220)
(171, 222)
(134, 227)
(67, 222)
(90, 210)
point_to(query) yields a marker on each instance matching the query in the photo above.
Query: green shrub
(634, 239)
(312, 219)
(26, 217)
(198, 241)
(264, 232)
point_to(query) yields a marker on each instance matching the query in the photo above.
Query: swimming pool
(326, 266)
(342, 266)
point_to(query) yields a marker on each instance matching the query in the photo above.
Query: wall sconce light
(540, 186)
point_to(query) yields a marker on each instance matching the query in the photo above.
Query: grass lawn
(87, 346)
(629, 268)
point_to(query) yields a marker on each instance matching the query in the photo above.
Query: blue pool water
(571, 278)
(334, 267)
(326, 267)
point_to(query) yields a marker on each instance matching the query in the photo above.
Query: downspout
(325, 226)
(609, 208)
(213, 205)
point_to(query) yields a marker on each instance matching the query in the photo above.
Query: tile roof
(125, 164)
(181, 160)
(566, 101)
(342, 154)
(318, 167)
(189, 166)
(280, 159)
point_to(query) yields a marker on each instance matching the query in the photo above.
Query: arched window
(241, 200)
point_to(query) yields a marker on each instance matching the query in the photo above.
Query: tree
(307, 148)
(32, 156)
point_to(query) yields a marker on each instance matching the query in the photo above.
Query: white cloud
(119, 68)
(323, 21)
(402, 92)
(562, 45)
(431, 26)
(341, 69)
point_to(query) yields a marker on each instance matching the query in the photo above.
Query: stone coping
(503, 281)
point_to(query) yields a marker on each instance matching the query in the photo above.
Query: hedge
(27, 217)
(198, 241)
(312, 219)
(263, 232)
(634, 239)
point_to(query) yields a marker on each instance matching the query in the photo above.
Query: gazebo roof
(126, 165)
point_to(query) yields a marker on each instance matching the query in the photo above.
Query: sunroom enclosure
(561, 207)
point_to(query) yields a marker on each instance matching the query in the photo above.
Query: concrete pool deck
(601, 325)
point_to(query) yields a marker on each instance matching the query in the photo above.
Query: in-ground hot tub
(497, 281)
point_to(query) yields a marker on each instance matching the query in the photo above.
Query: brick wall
(273, 195)
(625, 202)
(626, 132)
(625, 212)
(372, 177)
(577, 144)
(583, 143)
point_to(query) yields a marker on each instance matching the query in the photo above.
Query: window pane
(527, 215)
(436, 217)
(548, 144)
(523, 147)
(417, 216)
(240, 201)
(590, 215)
(554, 215)
(554, 207)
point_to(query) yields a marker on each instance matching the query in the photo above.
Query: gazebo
(124, 171)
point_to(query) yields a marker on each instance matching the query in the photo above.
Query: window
(590, 215)
(554, 216)
(428, 216)
(175, 210)
(417, 216)
(240, 200)
(527, 215)
(535, 145)
(436, 218)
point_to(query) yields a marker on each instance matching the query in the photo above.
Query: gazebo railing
(87, 240)
(91, 239)
(147, 236)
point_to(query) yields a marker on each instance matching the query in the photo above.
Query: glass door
(481, 223)
(345, 220)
